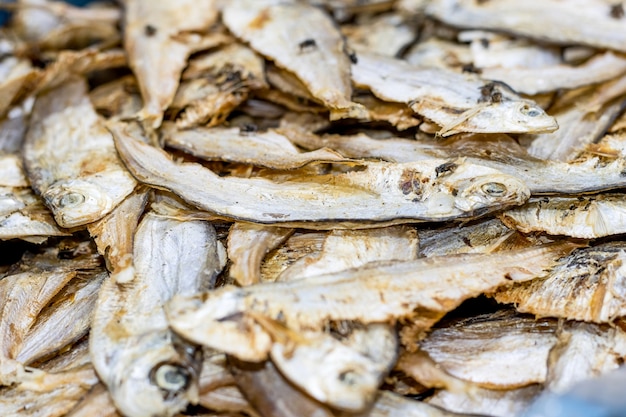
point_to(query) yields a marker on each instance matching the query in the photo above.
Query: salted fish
(147, 369)
(248, 243)
(456, 102)
(385, 34)
(302, 243)
(215, 83)
(440, 53)
(157, 48)
(70, 157)
(586, 217)
(500, 152)
(600, 68)
(96, 402)
(492, 51)
(117, 99)
(586, 22)
(433, 190)
(300, 38)
(267, 149)
(225, 318)
(587, 285)
(22, 214)
(502, 350)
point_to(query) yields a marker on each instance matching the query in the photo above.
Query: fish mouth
(76, 202)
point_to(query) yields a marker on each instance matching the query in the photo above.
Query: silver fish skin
(433, 190)
(248, 244)
(157, 51)
(502, 350)
(147, 369)
(500, 152)
(300, 38)
(587, 285)
(434, 285)
(456, 102)
(267, 149)
(586, 22)
(70, 158)
(580, 217)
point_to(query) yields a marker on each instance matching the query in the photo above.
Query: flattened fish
(267, 149)
(225, 318)
(147, 369)
(581, 217)
(586, 22)
(389, 404)
(433, 190)
(70, 157)
(158, 51)
(300, 38)
(456, 102)
(589, 285)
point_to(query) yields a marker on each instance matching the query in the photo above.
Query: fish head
(77, 202)
(490, 192)
(525, 116)
(158, 376)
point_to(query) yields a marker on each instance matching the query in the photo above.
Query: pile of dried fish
(292, 208)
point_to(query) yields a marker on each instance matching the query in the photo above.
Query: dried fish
(491, 51)
(118, 99)
(456, 102)
(146, 368)
(582, 217)
(247, 246)
(96, 402)
(70, 158)
(588, 285)
(432, 190)
(267, 149)
(436, 285)
(157, 48)
(600, 68)
(385, 34)
(502, 350)
(587, 22)
(302, 39)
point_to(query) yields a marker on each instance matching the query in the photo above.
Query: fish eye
(170, 377)
(493, 188)
(530, 111)
(71, 199)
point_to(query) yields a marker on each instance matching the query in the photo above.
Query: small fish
(586, 217)
(603, 67)
(433, 190)
(456, 102)
(548, 20)
(157, 51)
(385, 34)
(147, 369)
(70, 158)
(267, 149)
(278, 29)
(588, 285)
(225, 318)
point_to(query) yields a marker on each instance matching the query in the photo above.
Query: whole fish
(380, 292)
(300, 38)
(586, 22)
(456, 102)
(433, 190)
(70, 157)
(147, 369)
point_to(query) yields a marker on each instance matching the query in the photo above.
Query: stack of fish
(310, 208)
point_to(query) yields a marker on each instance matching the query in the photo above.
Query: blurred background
(4, 15)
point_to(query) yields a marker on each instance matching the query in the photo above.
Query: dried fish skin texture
(300, 38)
(457, 102)
(380, 292)
(587, 22)
(431, 190)
(588, 285)
(70, 158)
(147, 368)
